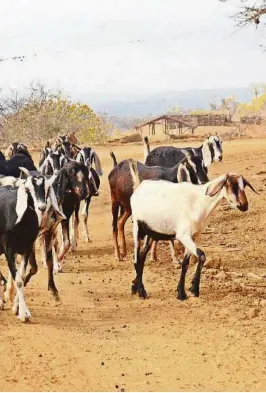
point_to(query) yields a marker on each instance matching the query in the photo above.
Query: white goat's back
(163, 204)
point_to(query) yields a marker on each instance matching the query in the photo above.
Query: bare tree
(251, 12)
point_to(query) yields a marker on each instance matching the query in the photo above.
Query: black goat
(11, 167)
(2, 157)
(121, 186)
(71, 185)
(168, 156)
(17, 148)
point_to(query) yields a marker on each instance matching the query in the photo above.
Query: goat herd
(172, 202)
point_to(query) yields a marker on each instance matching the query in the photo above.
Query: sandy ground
(101, 338)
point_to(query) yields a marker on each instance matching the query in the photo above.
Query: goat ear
(22, 203)
(206, 153)
(24, 171)
(247, 183)
(98, 165)
(61, 183)
(215, 186)
(54, 203)
(182, 174)
(188, 154)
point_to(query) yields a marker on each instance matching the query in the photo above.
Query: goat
(16, 148)
(2, 289)
(162, 211)
(21, 213)
(88, 156)
(54, 161)
(121, 187)
(168, 156)
(11, 167)
(2, 157)
(71, 185)
(113, 158)
(11, 181)
(44, 153)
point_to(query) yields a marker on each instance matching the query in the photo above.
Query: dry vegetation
(101, 338)
(38, 114)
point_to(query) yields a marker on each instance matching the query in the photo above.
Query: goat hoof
(182, 296)
(58, 268)
(56, 297)
(194, 291)
(142, 293)
(15, 309)
(2, 306)
(134, 289)
(25, 316)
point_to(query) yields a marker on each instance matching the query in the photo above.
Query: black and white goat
(88, 156)
(44, 154)
(53, 162)
(190, 169)
(21, 214)
(163, 211)
(168, 156)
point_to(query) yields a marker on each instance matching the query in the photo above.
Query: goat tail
(133, 166)
(147, 149)
(98, 165)
(113, 157)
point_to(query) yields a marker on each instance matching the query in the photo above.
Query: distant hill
(161, 102)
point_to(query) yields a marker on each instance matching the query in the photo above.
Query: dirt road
(101, 338)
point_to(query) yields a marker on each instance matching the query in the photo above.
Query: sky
(99, 50)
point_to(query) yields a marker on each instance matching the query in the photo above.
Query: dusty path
(101, 338)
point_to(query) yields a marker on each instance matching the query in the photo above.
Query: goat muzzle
(42, 207)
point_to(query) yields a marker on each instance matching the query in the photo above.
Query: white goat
(165, 211)
(11, 181)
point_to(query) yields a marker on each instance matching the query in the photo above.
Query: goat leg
(85, 219)
(65, 236)
(23, 312)
(195, 284)
(50, 265)
(181, 293)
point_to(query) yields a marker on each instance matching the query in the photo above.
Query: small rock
(102, 364)
(213, 263)
(263, 302)
(221, 275)
(252, 313)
